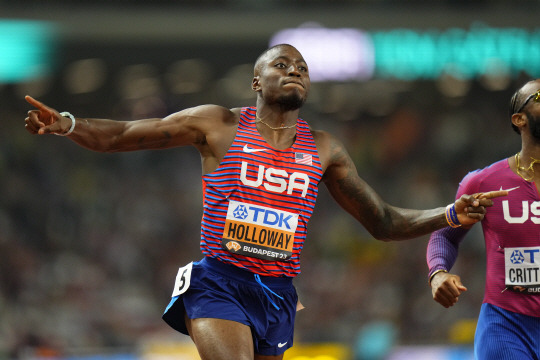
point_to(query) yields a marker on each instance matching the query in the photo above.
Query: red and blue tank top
(259, 200)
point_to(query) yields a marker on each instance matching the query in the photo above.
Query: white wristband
(67, 114)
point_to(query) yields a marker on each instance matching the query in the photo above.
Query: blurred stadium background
(90, 243)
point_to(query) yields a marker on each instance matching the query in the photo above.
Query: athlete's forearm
(403, 224)
(105, 135)
(442, 249)
(383, 221)
(97, 134)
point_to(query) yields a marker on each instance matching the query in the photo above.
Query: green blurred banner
(27, 49)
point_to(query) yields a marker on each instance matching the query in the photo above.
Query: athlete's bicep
(186, 127)
(171, 131)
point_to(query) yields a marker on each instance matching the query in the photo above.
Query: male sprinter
(261, 170)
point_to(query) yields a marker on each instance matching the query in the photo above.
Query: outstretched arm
(187, 127)
(384, 221)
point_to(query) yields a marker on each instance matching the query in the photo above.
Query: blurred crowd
(90, 243)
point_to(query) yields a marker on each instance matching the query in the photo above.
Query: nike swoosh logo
(248, 150)
(280, 345)
(517, 187)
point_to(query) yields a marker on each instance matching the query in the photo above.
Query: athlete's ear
(255, 84)
(519, 120)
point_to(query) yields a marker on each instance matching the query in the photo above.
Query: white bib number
(183, 279)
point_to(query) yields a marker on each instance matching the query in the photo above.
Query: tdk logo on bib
(517, 257)
(261, 231)
(240, 212)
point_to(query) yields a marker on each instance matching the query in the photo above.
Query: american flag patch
(301, 158)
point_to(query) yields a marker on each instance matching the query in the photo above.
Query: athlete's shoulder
(217, 112)
(495, 168)
(207, 113)
(325, 142)
(330, 149)
(487, 177)
(322, 136)
(236, 111)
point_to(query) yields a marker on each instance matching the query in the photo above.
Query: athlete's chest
(290, 171)
(522, 204)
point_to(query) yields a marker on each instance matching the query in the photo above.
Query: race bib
(522, 269)
(259, 231)
(183, 280)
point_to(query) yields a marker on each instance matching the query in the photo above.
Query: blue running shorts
(221, 291)
(506, 335)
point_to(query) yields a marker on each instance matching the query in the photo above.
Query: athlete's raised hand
(45, 120)
(472, 208)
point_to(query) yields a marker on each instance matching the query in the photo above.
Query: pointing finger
(491, 194)
(35, 103)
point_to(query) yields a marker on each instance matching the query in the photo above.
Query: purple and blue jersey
(512, 239)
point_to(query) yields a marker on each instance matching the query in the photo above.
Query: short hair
(258, 61)
(513, 108)
(519, 100)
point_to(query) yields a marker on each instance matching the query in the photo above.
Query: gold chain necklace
(282, 127)
(524, 169)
